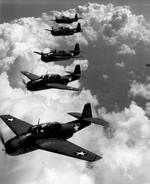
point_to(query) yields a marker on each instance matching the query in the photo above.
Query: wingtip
(3, 116)
(98, 157)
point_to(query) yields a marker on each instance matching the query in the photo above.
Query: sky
(12, 9)
(116, 45)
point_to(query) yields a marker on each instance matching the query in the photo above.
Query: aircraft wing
(67, 148)
(16, 125)
(61, 86)
(30, 75)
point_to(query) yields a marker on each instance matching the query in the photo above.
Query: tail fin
(78, 29)
(87, 117)
(76, 49)
(77, 70)
(76, 16)
(87, 112)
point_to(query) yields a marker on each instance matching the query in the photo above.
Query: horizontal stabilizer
(48, 30)
(97, 121)
(75, 114)
(39, 53)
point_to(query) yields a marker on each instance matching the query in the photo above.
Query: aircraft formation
(52, 136)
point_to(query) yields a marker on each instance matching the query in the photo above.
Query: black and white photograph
(74, 91)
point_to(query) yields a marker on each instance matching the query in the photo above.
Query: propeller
(24, 82)
(38, 121)
(38, 125)
(2, 140)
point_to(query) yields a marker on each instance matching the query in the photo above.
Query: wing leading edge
(16, 125)
(67, 148)
(30, 75)
(61, 86)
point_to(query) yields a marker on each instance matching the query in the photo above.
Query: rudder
(76, 16)
(87, 112)
(77, 70)
(78, 29)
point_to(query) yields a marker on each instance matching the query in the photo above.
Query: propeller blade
(2, 138)
(38, 121)
(24, 82)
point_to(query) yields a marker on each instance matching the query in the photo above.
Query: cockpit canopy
(45, 127)
(51, 76)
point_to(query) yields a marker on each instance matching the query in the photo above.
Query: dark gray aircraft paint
(61, 55)
(52, 81)
(66, 20)
(65, 31)
(50, 136)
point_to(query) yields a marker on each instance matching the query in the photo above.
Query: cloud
(121, 64)
(105, 76)
(125, 49)
(140, 89)
(125, 144)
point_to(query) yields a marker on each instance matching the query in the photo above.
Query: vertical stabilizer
(87, 112)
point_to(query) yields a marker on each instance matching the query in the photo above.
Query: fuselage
(57, 56)
(43, 82)
(66, 20)
(63, 32)
(27, 142)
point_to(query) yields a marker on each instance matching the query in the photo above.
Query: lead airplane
(50, 136)
(66, 20)
(61, 55)
(52, 81)
(65, 31)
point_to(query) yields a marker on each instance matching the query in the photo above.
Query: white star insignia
(10, 119)
(76, 127)
(80, 153)
(70, 79)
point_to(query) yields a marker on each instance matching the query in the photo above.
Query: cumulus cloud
(121, 64)
(125, 144)
(105, 76)
(125, 49)
(140, 89)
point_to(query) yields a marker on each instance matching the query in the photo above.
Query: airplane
(66, 20)
(65, 31)
(148, 65)
(52, 81)
(50, 136)
(59, 55)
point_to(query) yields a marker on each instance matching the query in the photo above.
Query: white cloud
(105, 76)
(125, 49)
(121, 64)
(124, 145)
(140, 89)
